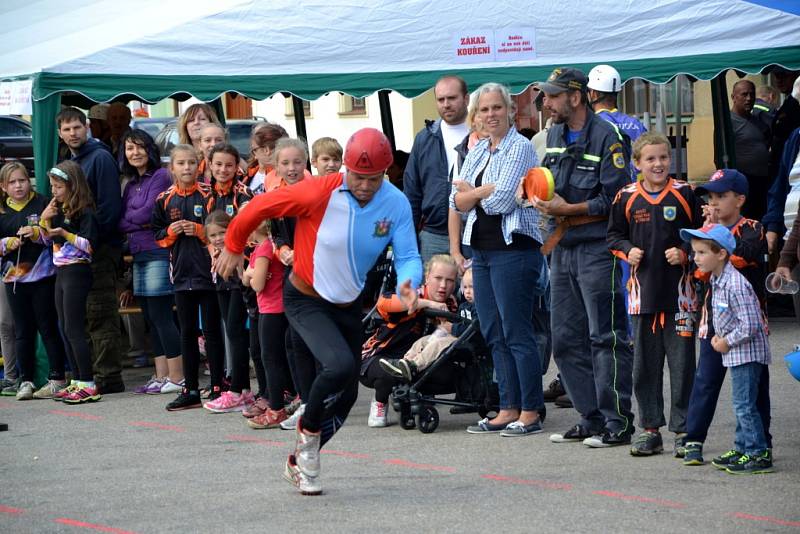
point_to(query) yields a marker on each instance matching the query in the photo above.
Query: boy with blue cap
(741, 337)
(727, 190)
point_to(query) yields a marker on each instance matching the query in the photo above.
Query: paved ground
(127, 465)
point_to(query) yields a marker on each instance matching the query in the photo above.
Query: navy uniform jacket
(590, 170)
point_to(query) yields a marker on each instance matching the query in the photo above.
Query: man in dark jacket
(432, 166)
(102, 310)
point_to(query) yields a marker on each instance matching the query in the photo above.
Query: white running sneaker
(306, 452)
(291, 423)
(305, 484)
(378, 415)
(172, 387)
(49, 390)
(25, 391)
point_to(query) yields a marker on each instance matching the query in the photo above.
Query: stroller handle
(443, 314)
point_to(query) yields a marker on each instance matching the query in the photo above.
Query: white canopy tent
(151, 50)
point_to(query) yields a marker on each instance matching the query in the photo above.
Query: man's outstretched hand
(408, 296)
(228, 262)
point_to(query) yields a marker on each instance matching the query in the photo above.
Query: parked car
(16, 141)
(152, 125)
(238, 134)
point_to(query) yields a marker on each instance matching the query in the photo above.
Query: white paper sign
(15, 97)
(507, 44)
(473, 46)
(515, 44)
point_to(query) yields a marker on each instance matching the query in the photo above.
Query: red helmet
(368, 151)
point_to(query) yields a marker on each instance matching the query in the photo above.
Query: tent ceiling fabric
(260, 47)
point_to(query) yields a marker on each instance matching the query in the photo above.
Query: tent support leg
(387, 125)
(45, 139)
(724, 151)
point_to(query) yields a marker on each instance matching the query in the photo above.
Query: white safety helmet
(605, 78)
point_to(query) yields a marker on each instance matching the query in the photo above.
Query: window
(12, 128)
(289, 107)
(640, 97)
(352, 106)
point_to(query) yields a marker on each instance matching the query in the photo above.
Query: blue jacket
(590, 170)
(627, 125)
(776, 198)
(425, 182)
(102, 173)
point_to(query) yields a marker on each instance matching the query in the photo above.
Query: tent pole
(724, 152)
(299, 117)
(678, 131)
(219, 108)
(387, 125)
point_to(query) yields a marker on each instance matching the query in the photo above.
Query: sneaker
(726, 459)
(228, 401)
(679, 450)
(554, 390)
(399, 368)
(563, 401)
(485, 427)
(152, 386)
(25, 391)
(11, 391)
(647, 444)
(305, 484)
(306, 451)
(292, 404)
(107, 388)
(185, 401)
(693, 453)
(257, 408)
(83, 394)
(576, 433)
(378, 415)
(269, 419)
(751, 465)
(49, 390)
(172, 387)
(7, 382)
(608, 439)
(517, 428)
(291, 422)
(71, 388)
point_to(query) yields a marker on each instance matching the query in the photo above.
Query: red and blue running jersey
(336, 240)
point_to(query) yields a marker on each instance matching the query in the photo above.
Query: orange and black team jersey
(230, 197)
(189, 260)
(652, 223)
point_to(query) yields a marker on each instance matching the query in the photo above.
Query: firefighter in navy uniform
(590, 163)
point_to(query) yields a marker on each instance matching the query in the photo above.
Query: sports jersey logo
(382, 228)
(174, 214)
(618, 159)
(198, 210)
(670, 212)
(229, 210)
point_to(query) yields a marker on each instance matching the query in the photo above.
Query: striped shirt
(738, 319)
(505, 168)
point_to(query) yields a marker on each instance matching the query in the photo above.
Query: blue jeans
(750, 437)
(707, 384)
(504, 285)
(431, 244)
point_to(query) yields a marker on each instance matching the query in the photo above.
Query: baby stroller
(458, 369)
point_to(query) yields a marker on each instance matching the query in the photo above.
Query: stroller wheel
(406, 419)
(428, 419)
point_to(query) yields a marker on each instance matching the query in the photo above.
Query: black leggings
(234, 314)
(164, 335)
(379, 380)
(333, 334)
(188, 303)
(32, 308)
(255, 355)
(73, 283)
(301, 363)
(272, 335)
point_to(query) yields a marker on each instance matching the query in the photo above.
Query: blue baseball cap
(715, 232)
(725, 180)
